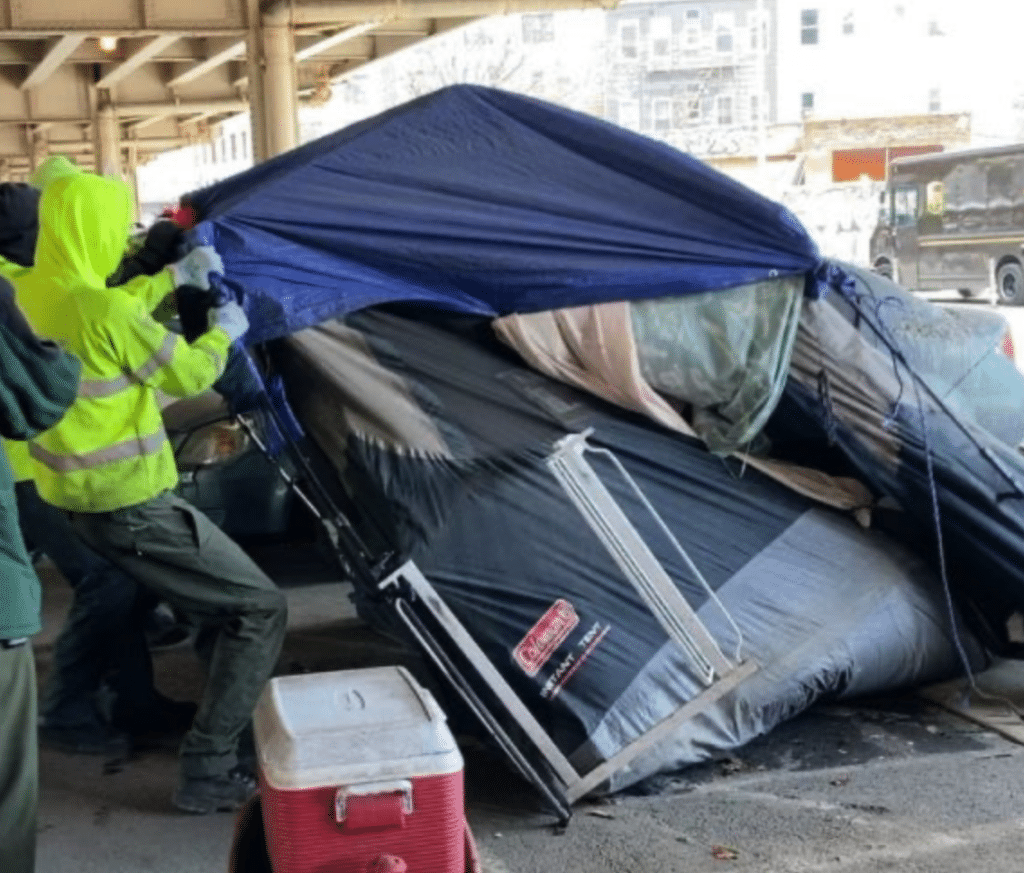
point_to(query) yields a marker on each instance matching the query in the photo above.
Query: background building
(804, 100)
(697, 75)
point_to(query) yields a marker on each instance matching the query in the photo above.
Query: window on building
(662, 115)
(755, 108)
(245, 145)
(629, 114)
(539, 27)
(206, 153)
(692, 37)
(693, 102)
(661, 36)
(679, 114)
(809, 27)
(234, 147)
(629, 39)
(724, 109)
(934, 100)
(755, 27)
(725, 25)
(807, 102)
(848, 23)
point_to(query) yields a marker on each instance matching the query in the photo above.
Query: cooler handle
(371, 789)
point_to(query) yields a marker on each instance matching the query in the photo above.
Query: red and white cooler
(359, 773)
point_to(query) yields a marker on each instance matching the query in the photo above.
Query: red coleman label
(545, 636)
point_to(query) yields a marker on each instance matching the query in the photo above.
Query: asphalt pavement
(876, 785)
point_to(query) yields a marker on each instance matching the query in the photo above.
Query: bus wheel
(1010, 284)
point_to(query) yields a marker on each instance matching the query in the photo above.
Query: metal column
(108, 143)
(280, 89)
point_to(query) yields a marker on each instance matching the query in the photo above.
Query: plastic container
(358, 768)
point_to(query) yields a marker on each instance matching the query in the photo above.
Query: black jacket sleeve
(38, 380)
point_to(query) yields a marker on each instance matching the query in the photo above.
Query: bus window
(935, 197)
(905, 205)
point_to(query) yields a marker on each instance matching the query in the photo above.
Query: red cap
(183, 216)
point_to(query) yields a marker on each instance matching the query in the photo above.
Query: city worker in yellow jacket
(109, 465)
(103, 639)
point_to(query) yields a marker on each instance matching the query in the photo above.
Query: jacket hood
(84, 223)
(54, 167)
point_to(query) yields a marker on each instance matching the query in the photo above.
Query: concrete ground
(880, 785)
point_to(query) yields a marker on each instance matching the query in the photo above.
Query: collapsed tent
(447, 438)
(682, 308)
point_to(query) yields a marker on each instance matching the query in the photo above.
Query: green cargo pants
(176, 552)
(19, 760)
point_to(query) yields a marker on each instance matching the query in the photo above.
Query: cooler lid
(349, 726)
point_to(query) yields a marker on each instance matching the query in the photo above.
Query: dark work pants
(104, 634)
(19, 760)
(185, 559)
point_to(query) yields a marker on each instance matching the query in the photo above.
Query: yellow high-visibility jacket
(151, 290)
(110, 449)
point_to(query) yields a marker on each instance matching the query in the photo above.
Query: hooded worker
(109, 464)
(103, 639)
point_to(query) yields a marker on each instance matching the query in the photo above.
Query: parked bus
(955, 220)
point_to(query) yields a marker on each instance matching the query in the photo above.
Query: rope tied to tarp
(870, 309)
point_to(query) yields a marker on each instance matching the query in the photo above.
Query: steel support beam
(144, 54)
(322, 45)
(326, 11)
(58, 51)
(233, 51)
(254, 64)
(280, 89)
(193, 107)
(108, 143)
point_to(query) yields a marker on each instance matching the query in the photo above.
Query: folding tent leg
(441, 660)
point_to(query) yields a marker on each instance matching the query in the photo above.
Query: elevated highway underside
(113, 82)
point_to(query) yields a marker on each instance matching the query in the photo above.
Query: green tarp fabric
(724, 354)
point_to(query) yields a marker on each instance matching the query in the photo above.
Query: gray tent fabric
(858, 635)
(957, 350)
(960, 487)
(825, 606)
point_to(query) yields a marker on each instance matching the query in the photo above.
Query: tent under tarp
(599, 255)
(445, 435)
(481, 201)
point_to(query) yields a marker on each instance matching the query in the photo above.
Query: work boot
(201, 795)
(86, 739)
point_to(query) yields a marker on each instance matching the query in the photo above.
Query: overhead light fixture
(108, 43)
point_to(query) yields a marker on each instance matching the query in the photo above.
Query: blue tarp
(482, 201)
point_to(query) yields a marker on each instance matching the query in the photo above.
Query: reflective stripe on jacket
(150, 290)
(110, 450)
